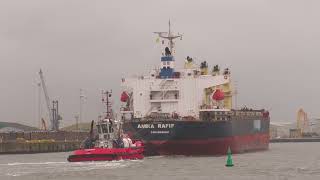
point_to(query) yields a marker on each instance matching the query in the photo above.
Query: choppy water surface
(282, 161)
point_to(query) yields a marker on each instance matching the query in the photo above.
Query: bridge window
(104, 128)
(99, 129)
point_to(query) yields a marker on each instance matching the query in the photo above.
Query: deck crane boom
(54, 124)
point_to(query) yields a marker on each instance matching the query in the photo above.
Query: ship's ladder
(150, 110)
(162, 84)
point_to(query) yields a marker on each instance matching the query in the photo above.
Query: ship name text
(153, 126)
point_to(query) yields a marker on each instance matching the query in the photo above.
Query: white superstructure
(172, 92)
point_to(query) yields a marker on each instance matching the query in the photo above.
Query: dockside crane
(303, 125)
(53, 110)
(43, 125)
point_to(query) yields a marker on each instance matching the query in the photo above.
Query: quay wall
(288, 140)
(41, 135)
(40, 141)
(37, 147)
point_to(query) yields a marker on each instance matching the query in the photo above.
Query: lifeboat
(124, 97)
(109, 143)
(218, 95)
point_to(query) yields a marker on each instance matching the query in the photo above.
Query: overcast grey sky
(271, 46)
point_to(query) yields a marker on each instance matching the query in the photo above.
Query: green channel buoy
(229, 160)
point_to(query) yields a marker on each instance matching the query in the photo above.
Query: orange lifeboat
(218, 95)
(124, 97)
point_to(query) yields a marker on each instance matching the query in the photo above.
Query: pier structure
(40, 141)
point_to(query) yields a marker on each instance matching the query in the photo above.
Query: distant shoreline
(288, 140)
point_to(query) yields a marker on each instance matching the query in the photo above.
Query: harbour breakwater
(37, 147)
(40, 141)
(294, 140)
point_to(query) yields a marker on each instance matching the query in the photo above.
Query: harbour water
(281, 161)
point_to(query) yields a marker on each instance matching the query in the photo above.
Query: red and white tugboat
(110, 143)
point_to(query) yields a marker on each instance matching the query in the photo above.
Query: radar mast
(169, 36)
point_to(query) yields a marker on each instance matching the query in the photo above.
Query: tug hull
(106, 154)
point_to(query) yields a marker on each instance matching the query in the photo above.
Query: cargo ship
(189, 111)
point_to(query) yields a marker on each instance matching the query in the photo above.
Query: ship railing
(248, 113)
(154, 115)
(126, 110)
(167, 84)
(164, 100)
(164, 97)
(206, 107)
(166, 88)
(213, 115)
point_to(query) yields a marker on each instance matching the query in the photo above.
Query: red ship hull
(213, 146)
(106, 154)
(182, 137)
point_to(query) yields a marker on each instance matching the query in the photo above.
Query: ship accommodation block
(184, 96)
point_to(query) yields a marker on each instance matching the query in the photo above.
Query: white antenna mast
(169, 36)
